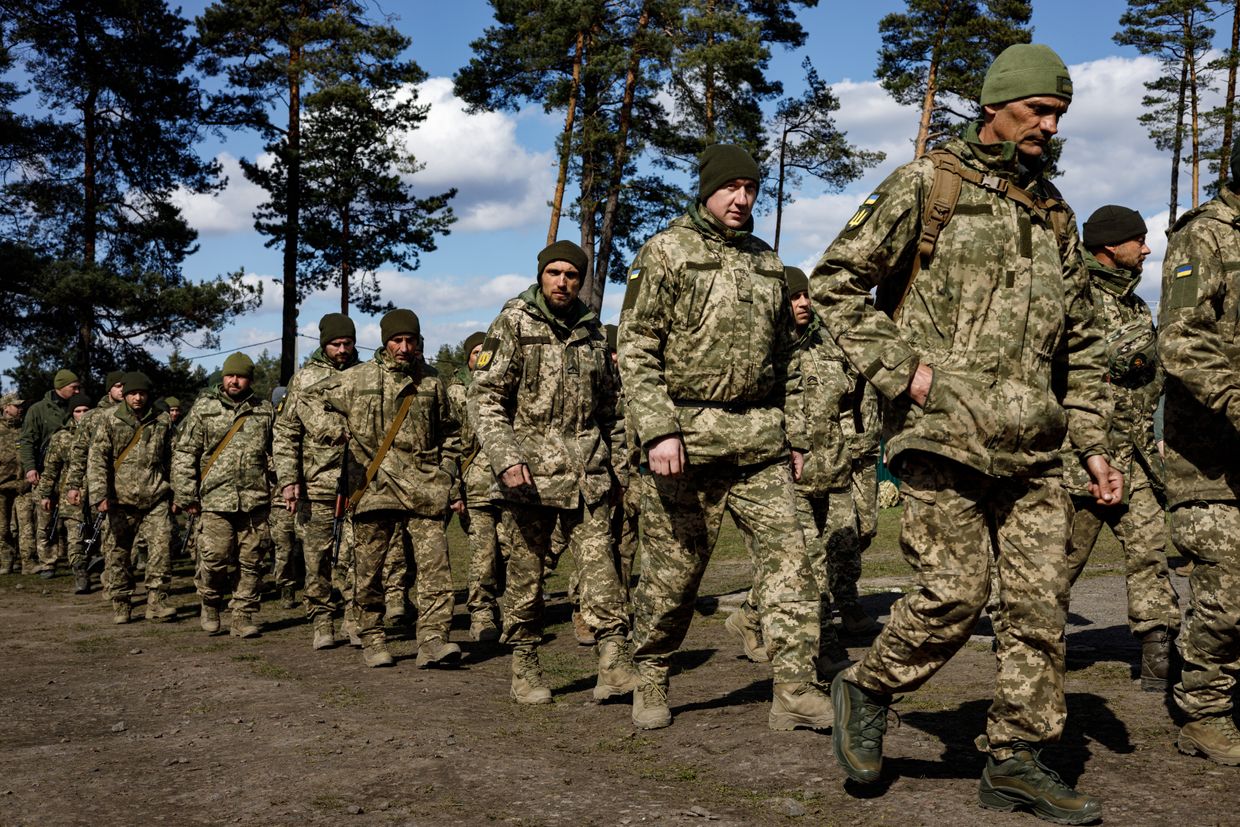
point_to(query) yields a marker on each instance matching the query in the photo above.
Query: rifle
(342, 507)
(53, 524)
(187, 537)
(92, 542)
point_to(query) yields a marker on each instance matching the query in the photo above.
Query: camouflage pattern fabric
(238, 479)
(142, 479)
(374, 535)
(54, 484)
(282, 530)
(8, 537)
(87, 430)
(314, 528)
(861, 428)
(486, 563)
(125, 524)
(27, 529)
(394, 572)
(226, 539)
(10, 483)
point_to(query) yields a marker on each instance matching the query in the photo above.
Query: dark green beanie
(63, 377)
(721, 163)
(335, 326)
(78, 400)
(1026, 70)
(137, 381)
(238, 364)
(399, 321)
(1112, 224)
(172, 402)
(798, 282)
(563, 251)
(613, 333)
(472, 341)
(115, 377)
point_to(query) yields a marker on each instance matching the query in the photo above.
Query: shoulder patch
(863, 214)
(632, 287)
(1182, 288)
(487, 353)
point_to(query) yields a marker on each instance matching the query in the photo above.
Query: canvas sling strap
(125, 451)
(219, 449)
(388, 439)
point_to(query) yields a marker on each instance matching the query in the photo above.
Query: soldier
(860, 426)
(10, 481)
(174, 410)
(45, 418)
(220, 475)
(543, 404)
(309, 472)
(628, 508)
(1114, 238)
(988, 356)
(401, 488)
(705, 352)
(53, 490)
(1199, 346)
(127, 472)
(281, 527)
(481, 517)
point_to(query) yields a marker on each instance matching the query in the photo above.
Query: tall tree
(96, 241)
(1222, 118)
(1174, 31)
(934, 56)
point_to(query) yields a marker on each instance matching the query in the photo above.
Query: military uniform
(1199, 347)
(45, 417)
(228, 482)
(54, 485)
(1001, 311)
(10, 484)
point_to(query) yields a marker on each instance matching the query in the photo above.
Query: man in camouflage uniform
(174, 410)
(10, 481)
(220, 475)
(127, 478)
(1114, 238)
(844, 549)
(404, 455)
(481, 518)
(281, 527)
(625, 515)
(45, 418)
(706, 342)
(308, 471)
(989, 355)
(53, 494)
(1199, 347)
(543, 405)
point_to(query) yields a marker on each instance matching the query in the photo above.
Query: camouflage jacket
(420, 471)
(827, 388)
(10, 459)
(861, 424)
(1134, 393)
(54, 481)
(88, 425)
(1001, 313)
(478, 479)
(141, 478)
(45, 417)
(544, 394)
(1199, 347)
(237, 480)
(299, 452)
(706, 344)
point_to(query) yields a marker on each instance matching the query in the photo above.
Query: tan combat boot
(528, 684)
(800, 705)
(324, 632)
(242, 625)
(437, 651)
(375, 652)
(582, 632)
(616, 673)
(157, 609)
(394, 608)
(482, 627)
(1216, 738)
(349, 627)
(746, 625)
(120, 611)
(650, 710)
(209, 619)
(288, 598)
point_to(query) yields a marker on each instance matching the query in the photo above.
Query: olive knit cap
(562, 251)
(1112, 224)
(238, 364)
(399, 321)
(137, 381)
(114, 377)
(63, 377)
(472, 341)
(1026, 70)
(79, 400)
(172, 402)
(335, 326)
(798, 282)
(721, 163)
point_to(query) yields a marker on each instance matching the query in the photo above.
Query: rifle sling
(124, 451)
(206, 466)
(388, 439)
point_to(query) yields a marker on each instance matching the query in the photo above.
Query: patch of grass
(95, 645)
(1106, 673)
(327, 801)
(264, 668)
(343, 697)
(625, 744)
(561, 670)
(669, 772)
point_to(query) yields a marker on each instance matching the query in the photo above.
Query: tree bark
(90, 223)
(927, 107)
(779, 186)
(1229, 102)
(1177, 147)
(346, 260)
(557, 201)
(1194, 95)
(292, 218)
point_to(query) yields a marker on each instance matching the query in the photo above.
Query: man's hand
(798, 465)
(458, 506)
(919, 385)
(32, 477)
(667, 456)
(516, 476)
(1108, 483)
(193, 508)
(74, 496)
(1162, 449)
(291, 494)
(46, 503)
(102, 507)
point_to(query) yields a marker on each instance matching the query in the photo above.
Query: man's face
(801, 308)
(473, 356)
(174, 412)
(560, 284)
(733, 203)
(236, 386)
(1030, 123)
(1130, 255)
(12, 411)
(69, 390)
(117, 392)
(137, 400)
(79, 412)
(339, 351)
(405, 348)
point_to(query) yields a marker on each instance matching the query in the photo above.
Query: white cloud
(229, 211)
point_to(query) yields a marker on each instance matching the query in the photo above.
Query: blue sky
(502, 163)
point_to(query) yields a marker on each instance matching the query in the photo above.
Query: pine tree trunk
(566, 140)
(1229, 102)
(346, 259)
(1190, 61)
(927, 108)
(779, 185)
(708, 85)
(90, 223)
(292, 218)
(1177, 147)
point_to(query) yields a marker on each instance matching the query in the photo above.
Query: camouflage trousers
(864, 487)
(957, 523)
(395, 571)
(486, 560)
(283, 533)
(1141, 528)
(9, 555)
(69, 542)
(226, 538)
(587, 531)
(50, 550)
(1210, 642)
(28, 532)
(314, 523)
(376, 535)
(624, 536)
(680, 521)
(125, 525)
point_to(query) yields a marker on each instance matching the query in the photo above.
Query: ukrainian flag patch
(1183, 271)
(863, 213)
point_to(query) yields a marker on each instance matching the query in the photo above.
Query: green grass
(263, 668)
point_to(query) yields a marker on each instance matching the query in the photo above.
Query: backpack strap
(388, 439)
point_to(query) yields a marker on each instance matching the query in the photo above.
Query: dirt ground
(160, 723)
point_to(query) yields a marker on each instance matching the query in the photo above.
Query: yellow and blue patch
(863, 213)
(1183, 271)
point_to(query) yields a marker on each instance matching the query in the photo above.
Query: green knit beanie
(563, 251)
(79, 400)
(238, 364)
(798, 282)
(721, 163)
(399, 321)
(472, 341)
(137, 381)
(114, 377)
(1026, 70)
(172, 402)
(335, 326)
(63, 377)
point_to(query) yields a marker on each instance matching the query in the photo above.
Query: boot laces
(1224, 727)
(874, 723)
(653, 694)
